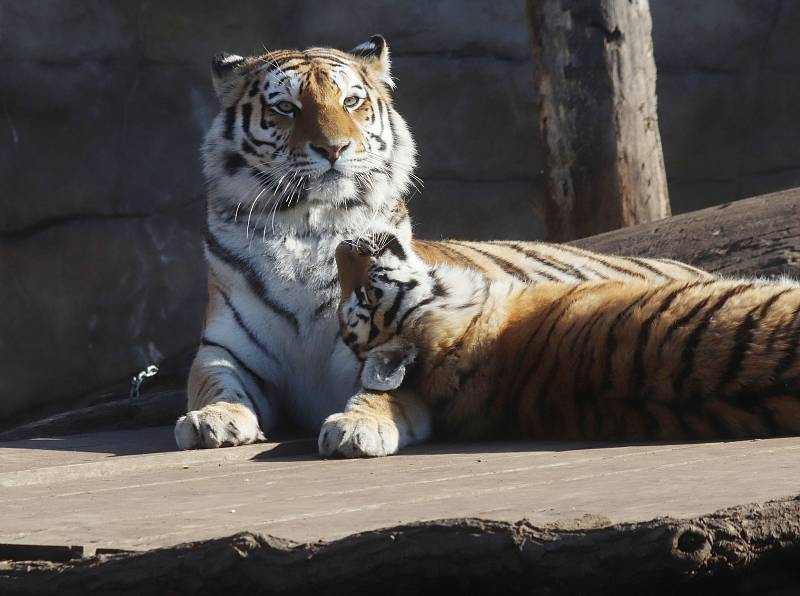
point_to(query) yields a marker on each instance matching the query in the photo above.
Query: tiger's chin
(332, 188)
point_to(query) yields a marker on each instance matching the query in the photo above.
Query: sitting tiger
(446, 348)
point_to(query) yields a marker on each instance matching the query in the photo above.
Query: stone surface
(103, 106)
(69, 490)
(498, 210)
(97, 299)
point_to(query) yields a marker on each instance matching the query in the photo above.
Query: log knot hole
(691, 545)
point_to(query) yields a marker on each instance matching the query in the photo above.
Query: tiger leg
(376, 424)
(222, 403)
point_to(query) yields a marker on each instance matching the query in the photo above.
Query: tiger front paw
(221, 424)
(353, 434)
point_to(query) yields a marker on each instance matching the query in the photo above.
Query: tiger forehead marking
(323, 119)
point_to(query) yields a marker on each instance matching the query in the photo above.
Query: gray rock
(473, 118)
(700, 125)
(93, 301)
(477, 210)
(712, 35)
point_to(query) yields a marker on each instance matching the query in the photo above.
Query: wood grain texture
(742, 550)
(596, 90)
(756, 236)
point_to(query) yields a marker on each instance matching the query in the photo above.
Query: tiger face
(381, 287)
(300, 128)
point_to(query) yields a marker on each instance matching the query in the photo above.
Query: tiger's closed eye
(352, 102)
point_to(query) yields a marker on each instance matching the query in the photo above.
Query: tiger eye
(285, 107)
(351, 101)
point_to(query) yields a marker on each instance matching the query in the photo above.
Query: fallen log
(746, 550)
(154, 408)
(757, 236)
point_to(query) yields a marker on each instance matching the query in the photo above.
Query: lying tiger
(446, 348)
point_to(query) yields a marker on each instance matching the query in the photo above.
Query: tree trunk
(596, 85)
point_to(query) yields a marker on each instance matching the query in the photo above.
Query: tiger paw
(221, 424)
(353, 434)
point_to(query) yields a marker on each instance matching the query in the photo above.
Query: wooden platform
(132, 490)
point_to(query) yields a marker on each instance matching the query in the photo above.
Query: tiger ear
(375, 55)
(225, 72)
(352, 266)
(385, 366)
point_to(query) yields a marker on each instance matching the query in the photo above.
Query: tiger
(448, 351)
(307, 150)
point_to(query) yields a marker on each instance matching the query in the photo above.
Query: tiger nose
(329, 151)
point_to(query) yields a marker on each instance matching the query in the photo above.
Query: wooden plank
(111, 490)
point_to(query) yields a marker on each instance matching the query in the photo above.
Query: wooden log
(153, 408)
(751, 549)
(757, 236)
(596, 89)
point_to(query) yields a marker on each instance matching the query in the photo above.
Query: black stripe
(381, 143)
(679, 323)
(324, 307)
(253, 279)
(240, 321)
(247, 113)
(263, 122)
(685, 267)
(233, 163)
(505, 265)
(390, 314)
(439, 289)
(694, 338)
(791, 349)
(559, 266)
(248, 148)
(457, 257)
(585, 360)
(524, 379)
(261, 382)
(373, 332)
(381, 108)
(600, 260)
(521, 356)
(644, 336)
(645, 265)
(405, 316)
(456, 345)
(742, 340)
(611, 337)
(230, 121)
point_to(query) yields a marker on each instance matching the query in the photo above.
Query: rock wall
(103, 105)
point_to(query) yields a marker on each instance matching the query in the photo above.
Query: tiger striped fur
(446, 348)
(307, 150)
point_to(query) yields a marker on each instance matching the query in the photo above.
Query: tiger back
(633, 360)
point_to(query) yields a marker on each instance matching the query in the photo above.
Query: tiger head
(300, 130)
(383, 284)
